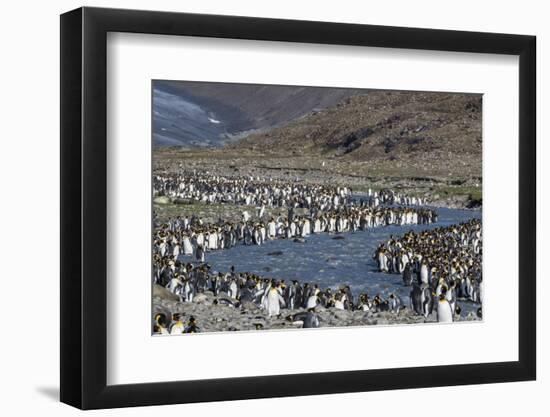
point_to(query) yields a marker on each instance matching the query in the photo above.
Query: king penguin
(177, 326)
(273, 302)
(444, 311)
(313, 299)
(407, 275)
(311, 320)
(417, 299)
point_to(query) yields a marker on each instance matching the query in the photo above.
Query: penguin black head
(160, 319)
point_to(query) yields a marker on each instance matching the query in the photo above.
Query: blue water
(331, 262)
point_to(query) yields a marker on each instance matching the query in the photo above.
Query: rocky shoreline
(216, 314)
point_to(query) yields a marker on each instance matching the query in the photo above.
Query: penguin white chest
(382, 261)
(312, 301)
(273, 306)
(424, 273)
(444, 313)
(233, 289)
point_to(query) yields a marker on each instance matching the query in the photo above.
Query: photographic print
(294, 207)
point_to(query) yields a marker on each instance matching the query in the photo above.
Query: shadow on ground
(50, 392)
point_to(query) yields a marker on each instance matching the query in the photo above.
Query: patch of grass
(472, 192)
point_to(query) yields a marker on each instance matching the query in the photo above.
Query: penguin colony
(241, 190)
(331, 210)
(190, 236)
(246, 291)
(244, 301)
(439, 258)
(443, 265)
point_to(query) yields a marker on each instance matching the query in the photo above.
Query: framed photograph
(257, 208)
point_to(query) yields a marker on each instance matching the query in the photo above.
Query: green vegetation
(473, 193)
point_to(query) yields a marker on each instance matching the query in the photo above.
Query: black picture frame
(84, 207)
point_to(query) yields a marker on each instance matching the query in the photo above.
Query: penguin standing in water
(382, 259)
(199, 254)
(444, 311)
(407, 275)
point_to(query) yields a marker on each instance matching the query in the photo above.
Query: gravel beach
(212, 316)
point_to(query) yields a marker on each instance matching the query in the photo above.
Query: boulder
(164, 294)
(200, 298)
(161, 200)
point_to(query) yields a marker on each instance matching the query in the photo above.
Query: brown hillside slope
(426, 132)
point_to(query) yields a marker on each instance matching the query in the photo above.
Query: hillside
(426, 131)
(203, 114)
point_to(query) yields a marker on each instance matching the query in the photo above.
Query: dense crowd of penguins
(237, 289)
(443, 265)
(191, 236)
(445, 261)
(253, 191)
(331, 210)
